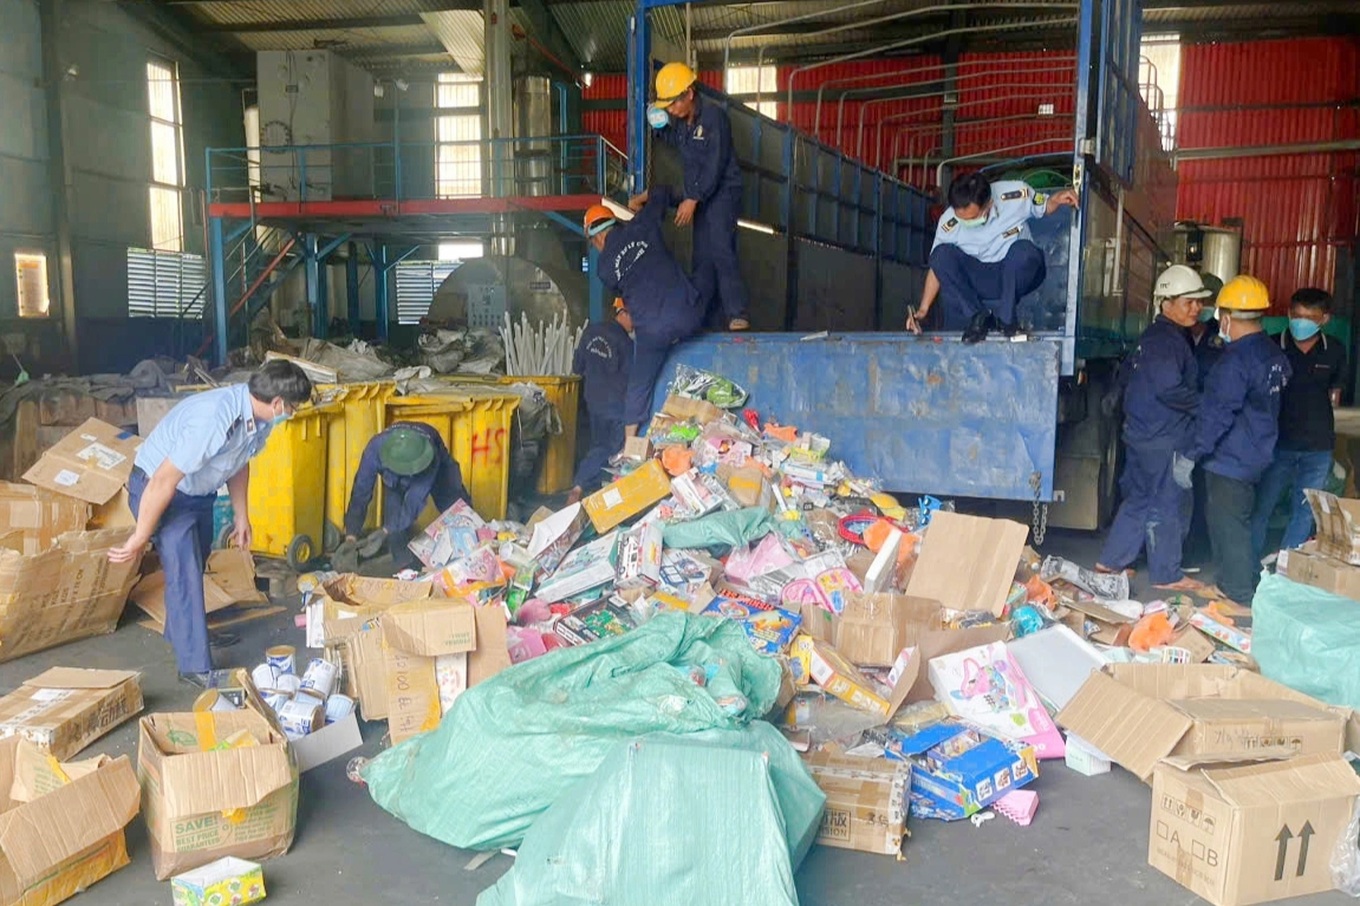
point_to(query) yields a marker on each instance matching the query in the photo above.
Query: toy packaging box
(769, 628)
(986, 687)
(957, 769)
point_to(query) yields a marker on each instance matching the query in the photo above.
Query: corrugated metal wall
(1298, 212)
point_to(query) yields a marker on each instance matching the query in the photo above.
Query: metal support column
(382, 308)
(217, 250)
(958, 20)
(597, 302)
(311, 264)
(352, 288)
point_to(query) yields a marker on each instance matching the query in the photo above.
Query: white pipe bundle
(540, 349)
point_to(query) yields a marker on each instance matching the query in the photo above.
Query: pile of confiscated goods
(736, 590)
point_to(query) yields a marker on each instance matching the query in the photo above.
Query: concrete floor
(1087, 844)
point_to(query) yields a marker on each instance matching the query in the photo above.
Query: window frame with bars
(745, 82)
(458, 136)
(166, 284)
(165, 115)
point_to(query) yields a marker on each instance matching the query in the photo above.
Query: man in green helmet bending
(414, 464)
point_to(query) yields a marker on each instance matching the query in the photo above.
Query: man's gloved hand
(1182, 467)
(345, 559)
(372, 543)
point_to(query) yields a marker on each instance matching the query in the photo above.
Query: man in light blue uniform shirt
(984, 260)
(206, 441)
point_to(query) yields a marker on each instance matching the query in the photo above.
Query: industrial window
(1160, 82)
(458, 160)
(165, 284)
(745, 82)
(31, 273)
(167, 156)
(460, 251)
(417, 282)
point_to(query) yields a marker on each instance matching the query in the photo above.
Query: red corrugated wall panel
(1297, 210)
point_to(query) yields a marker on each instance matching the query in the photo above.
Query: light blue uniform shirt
(1013, 204)
(208, 437)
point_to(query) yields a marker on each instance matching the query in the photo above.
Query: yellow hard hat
(671, 82)
(1244, 293)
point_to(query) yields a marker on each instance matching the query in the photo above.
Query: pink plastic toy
(1018, 805)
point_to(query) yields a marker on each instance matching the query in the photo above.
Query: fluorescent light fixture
(757, 227)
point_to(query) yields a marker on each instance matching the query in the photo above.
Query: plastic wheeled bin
(361, 417)
(288, 487)
(475, 425)
(559, 457)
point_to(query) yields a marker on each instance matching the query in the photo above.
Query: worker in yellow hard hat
(1237, 430)
(711, 201)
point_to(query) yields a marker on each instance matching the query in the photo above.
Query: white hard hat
(1179, 281)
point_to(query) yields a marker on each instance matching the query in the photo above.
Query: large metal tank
(1208, 249)
(482, 290)
(533, 118)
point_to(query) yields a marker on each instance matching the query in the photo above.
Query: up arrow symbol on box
(1283, 837)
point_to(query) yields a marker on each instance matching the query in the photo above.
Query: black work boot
(977, 328)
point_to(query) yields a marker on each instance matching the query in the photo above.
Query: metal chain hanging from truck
(1039, 517)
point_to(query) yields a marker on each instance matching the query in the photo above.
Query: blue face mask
(1223, 323)
(1206, 314)
(1303, 329)
(280, 418)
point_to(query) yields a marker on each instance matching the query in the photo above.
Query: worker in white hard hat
(1161, 396)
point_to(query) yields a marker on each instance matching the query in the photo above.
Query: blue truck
(838, 253)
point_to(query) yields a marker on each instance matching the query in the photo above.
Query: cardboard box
(866, 801)
(1310, 566)
(1251, 834)
(64, 709)
(38, 517)
(748, 486)
(839, 677)
(684, 408)
(1338, 525)
(69, 591)
(958, 770)
(426, 654)
(637, 449)
(205, 800)
(228, 578)
(1140, 714)
(226, 881)
(625, 497)
(70, 835)
(92, 463)
(873, 629)
(967, 562)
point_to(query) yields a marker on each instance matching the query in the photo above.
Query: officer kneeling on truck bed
(984, 260)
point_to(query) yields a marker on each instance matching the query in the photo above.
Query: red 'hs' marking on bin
(488, 447)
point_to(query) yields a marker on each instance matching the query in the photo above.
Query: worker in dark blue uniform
(1208, 346)
(203, 443)
(603, 359)
(1161, 396)
(700, 131)
(984, 260)
(1239, 421)
(665, 307)
(411, 460)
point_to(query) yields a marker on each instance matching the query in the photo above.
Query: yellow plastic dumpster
(475, 424)
(362, 416)
(559, 456)
(288, 487)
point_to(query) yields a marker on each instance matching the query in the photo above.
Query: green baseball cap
(406, 451)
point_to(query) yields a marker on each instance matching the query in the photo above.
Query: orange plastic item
(1151, 632)
(877, 533)
(787, 433)
(1037, 591)
(677, 460)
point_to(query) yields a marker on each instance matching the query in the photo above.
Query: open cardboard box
(71, 834)
(1309, 566)
(228, 578)
(873, 629)
(968, 562)
(1140, 714)
(1254, 833)
(205, 799)
(866, 801)
(64, 709)
(92, 463)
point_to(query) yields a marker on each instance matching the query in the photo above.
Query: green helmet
(406, 451)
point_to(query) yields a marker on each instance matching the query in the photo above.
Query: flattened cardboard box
(64, 709)
(203, 802)
(625, 497)
(866, 801)
(68, 592)
(968, 562)
(67, 838)
(420, 638)
(228, 578)
(1251, 834)
(92, 463)
(39, 516)
(1140, 714)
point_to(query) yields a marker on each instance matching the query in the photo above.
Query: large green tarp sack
(720, 531)
(515, 743)
(1307, 639)
(723, 816)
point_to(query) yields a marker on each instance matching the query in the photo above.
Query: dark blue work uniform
(406, 494)
(1208, 348)
(603, 360)
(712, 178)
(1239, 423)
(1160, 399)
(665, 306)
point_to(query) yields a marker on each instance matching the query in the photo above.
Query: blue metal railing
(409, 171)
